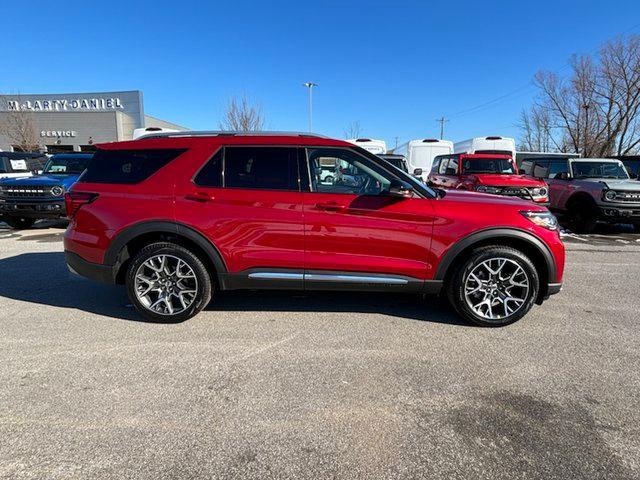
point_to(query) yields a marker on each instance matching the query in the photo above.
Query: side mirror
(450, 171)
(398, 188)
(563, 176)
(417, 172)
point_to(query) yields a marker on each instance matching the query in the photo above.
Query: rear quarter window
(127, 166)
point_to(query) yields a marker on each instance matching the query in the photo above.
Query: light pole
(310, 86)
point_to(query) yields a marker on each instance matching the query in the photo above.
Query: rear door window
(127, 166)
(261, 168)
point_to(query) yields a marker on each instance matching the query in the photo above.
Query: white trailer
(371, 145)
(492, 145)
(420, 155)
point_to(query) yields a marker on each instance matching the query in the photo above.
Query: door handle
(330, 206)
(199, 197)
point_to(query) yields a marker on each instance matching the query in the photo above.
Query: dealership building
(74, 122)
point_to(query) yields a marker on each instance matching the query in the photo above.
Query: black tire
(583, 216)
(203, 287)
(19, 223)
(455, 287)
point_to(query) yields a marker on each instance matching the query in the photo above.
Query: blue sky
(392, 66)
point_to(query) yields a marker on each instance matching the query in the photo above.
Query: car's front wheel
(168, 283)
(19, 223)
(494, 286)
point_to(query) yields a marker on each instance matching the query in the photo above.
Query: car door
(559, 188)
(246, 200)
(354, 226)
(439, 176)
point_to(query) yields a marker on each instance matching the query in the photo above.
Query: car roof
(483, 155)
(610, 160)
(72, 155)
(188, 139)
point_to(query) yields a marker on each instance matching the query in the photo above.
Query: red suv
(487, 173)
(178, 216)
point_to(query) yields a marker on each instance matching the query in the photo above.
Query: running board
(327, 280)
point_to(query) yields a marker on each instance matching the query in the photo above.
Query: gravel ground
(320, 385)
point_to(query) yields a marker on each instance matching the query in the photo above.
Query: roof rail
(221, 133)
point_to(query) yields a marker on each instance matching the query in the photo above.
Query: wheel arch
(524, 241)
(580, 197)
(133, 238)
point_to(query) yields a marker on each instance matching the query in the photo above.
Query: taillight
(74, 200)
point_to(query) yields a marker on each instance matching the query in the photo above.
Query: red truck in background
(486, 173)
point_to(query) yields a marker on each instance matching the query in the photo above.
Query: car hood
(506, 180)
(614, 184)
(490, 201)
(42, 180)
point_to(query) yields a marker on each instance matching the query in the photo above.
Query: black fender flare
(116, 254)
(487, 234)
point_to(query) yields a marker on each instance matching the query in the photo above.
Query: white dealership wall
(79, 119)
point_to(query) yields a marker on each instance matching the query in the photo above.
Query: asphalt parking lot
(317, 385)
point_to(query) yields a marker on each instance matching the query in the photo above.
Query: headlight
(542, 219)
(539, 192)
(487, 189)
(610, 195)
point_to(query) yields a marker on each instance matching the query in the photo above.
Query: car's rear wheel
(168, 283)
(19, 223)
(494, 286)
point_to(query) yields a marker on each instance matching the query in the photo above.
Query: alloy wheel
(165, 284)
(496, 288)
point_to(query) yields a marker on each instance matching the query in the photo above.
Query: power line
(442, 121)
(523, 88)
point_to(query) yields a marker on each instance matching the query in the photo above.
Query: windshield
(66, 165)
(488, 165)
(599, 170)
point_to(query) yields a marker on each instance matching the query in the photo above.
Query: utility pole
(442, 121)
(310, 86)
(396, 147)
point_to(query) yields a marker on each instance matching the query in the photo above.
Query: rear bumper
(93, 271)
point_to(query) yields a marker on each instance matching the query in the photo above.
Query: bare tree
(18, 127)
(352, 130)
(242, 116)
(596, 110)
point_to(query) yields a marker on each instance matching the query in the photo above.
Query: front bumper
(53, 209)
(93, 271)
(620, 213)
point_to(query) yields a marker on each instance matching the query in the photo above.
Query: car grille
(515, 192)
(632, 197)
(26, 191)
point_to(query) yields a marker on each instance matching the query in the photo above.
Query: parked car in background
(589, 190)
(25, 200)
(397, 161)
(522, 156)
(20, 164)
(420, 154)
(370, 145)
(222, 212)
(491, 145)
(486, 173)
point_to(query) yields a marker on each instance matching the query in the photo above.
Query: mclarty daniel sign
(65, 104)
